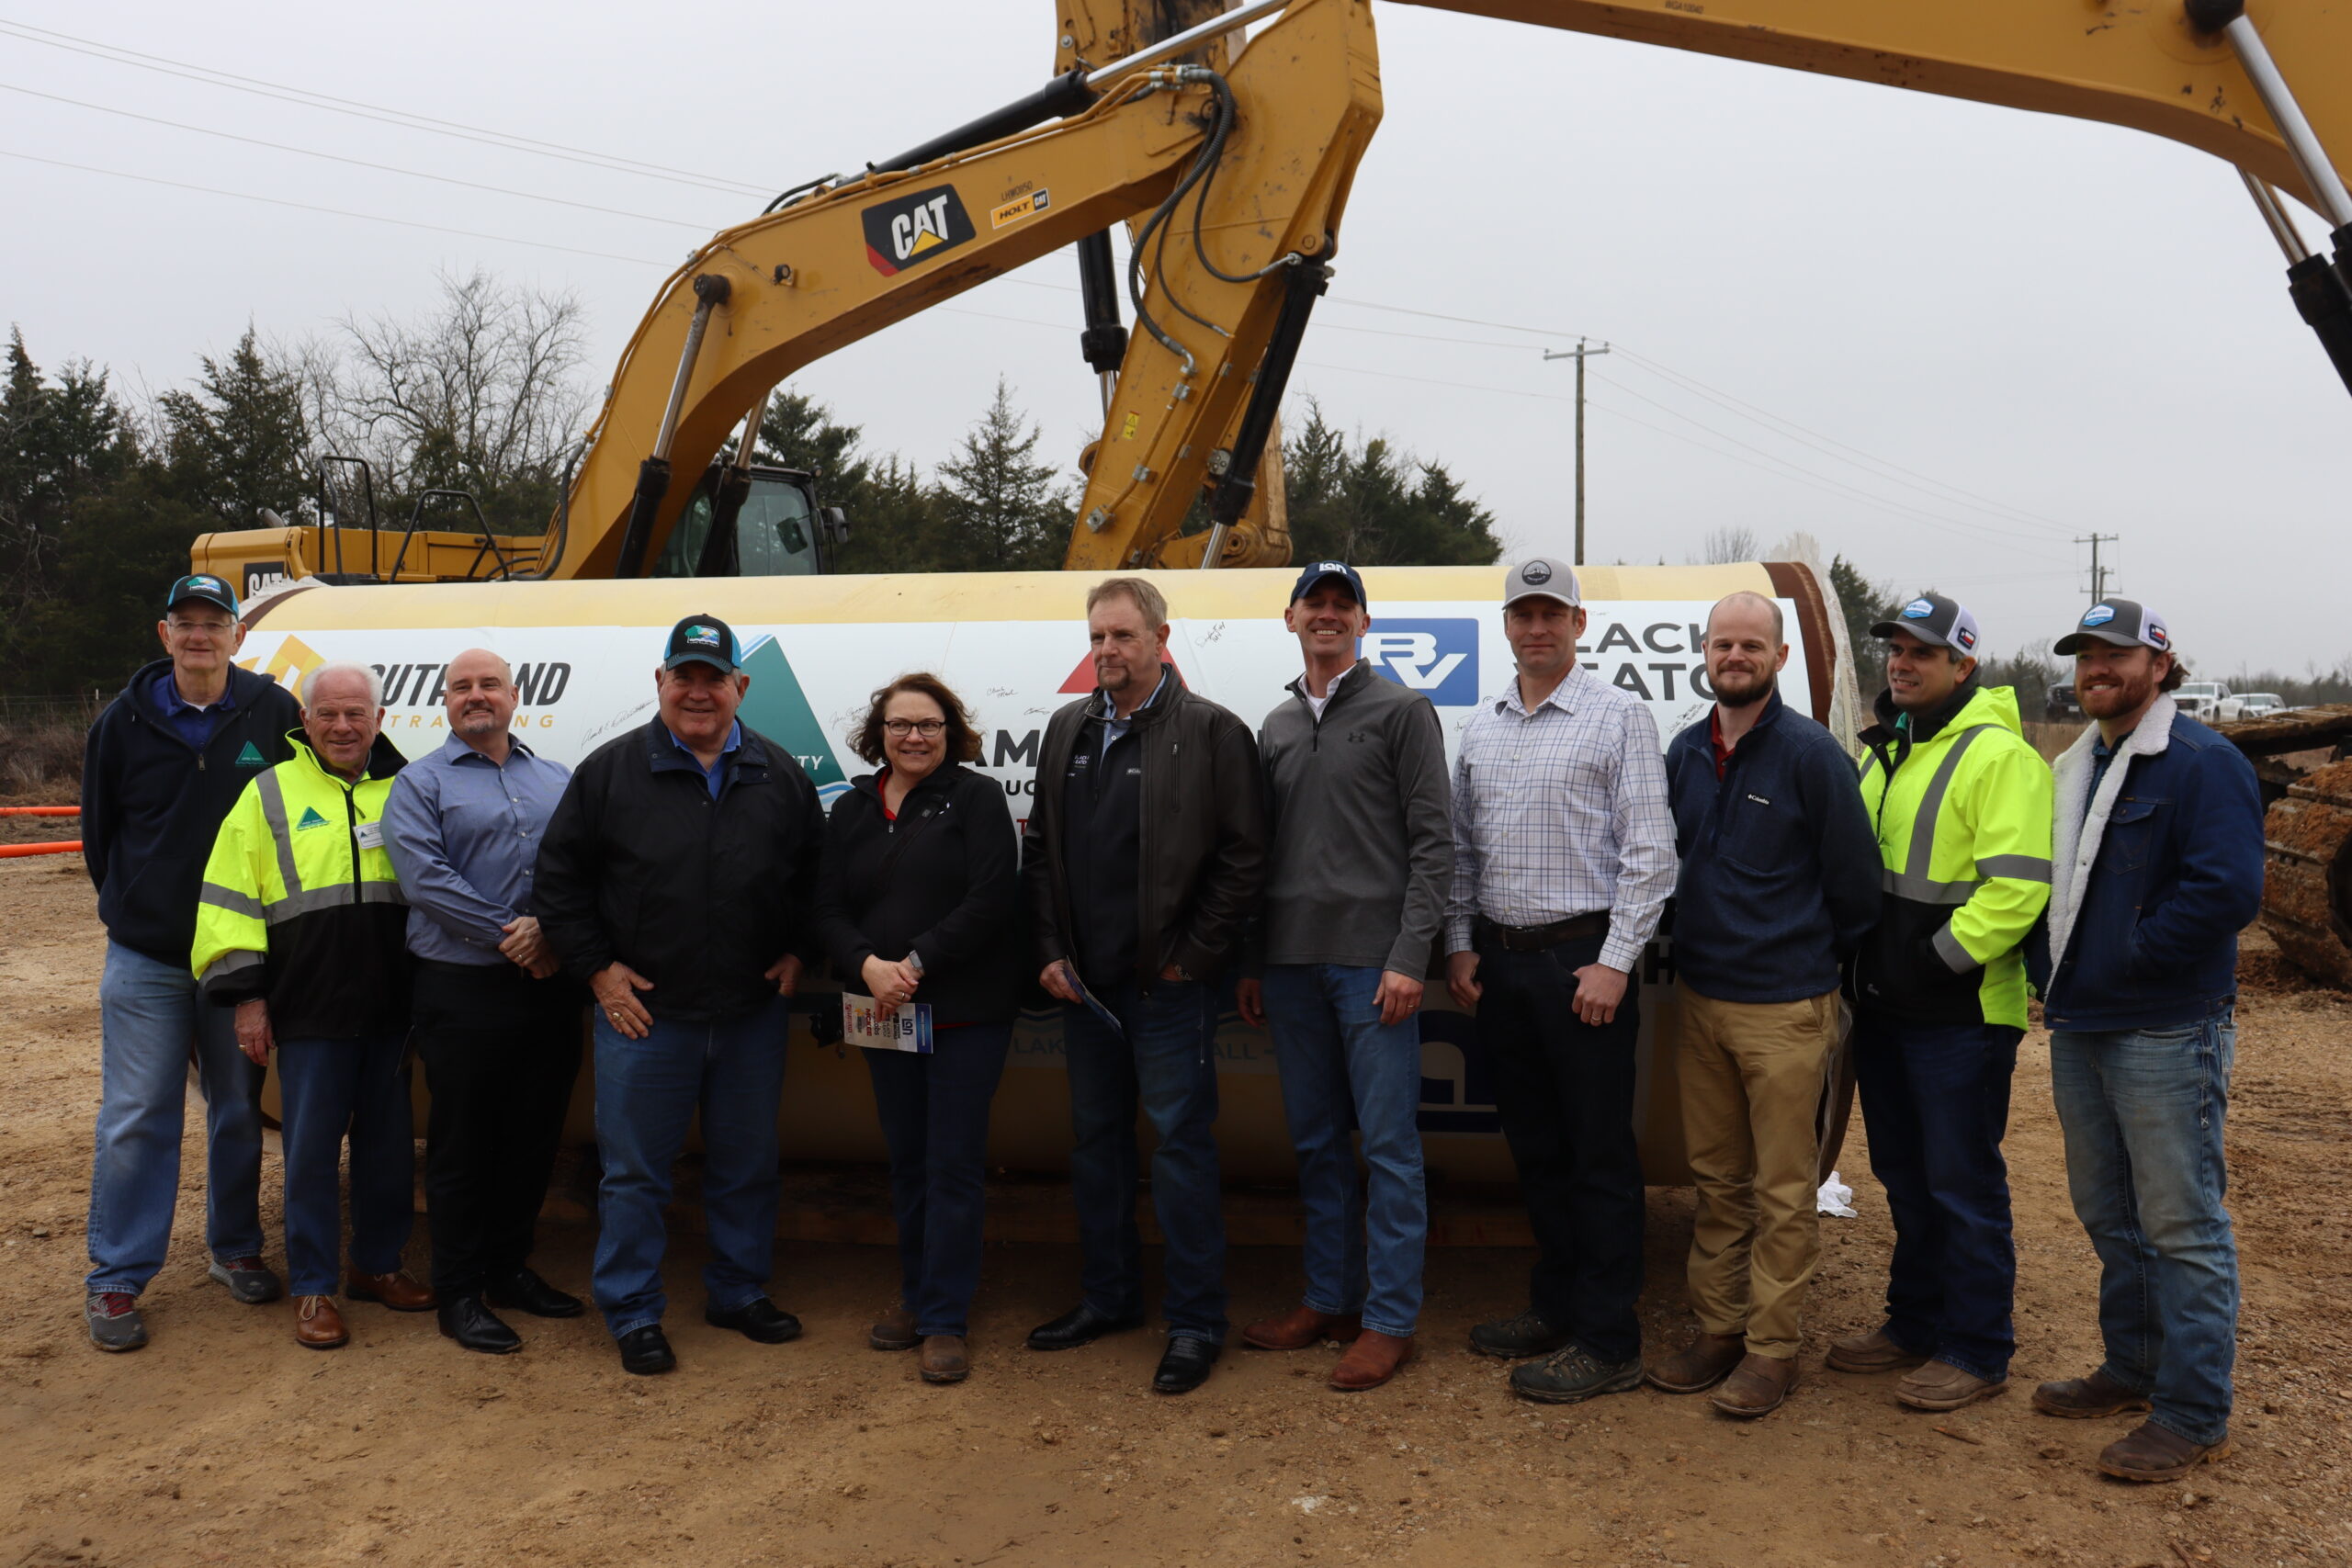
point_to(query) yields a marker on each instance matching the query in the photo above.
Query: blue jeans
(1342, 1070)
(2143, 1110)
(327, 1088)
(647, 1093)
(935, 1114)
(1936, 1099)
(1166, 1061)
(151, 1020)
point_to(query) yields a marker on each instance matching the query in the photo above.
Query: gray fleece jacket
(1363, 854)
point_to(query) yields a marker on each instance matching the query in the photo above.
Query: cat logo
(1014, 212)
(914, 228)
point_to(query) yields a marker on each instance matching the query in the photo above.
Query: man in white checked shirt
(1563, 858)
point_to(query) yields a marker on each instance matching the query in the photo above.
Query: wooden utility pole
(2098, 572)
(1579, 354)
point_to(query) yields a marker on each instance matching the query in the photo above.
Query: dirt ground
(224, 1442)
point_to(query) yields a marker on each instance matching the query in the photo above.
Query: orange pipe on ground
(9, 852)
(41, 811)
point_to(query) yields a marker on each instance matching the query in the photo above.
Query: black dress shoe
(1185, 1366)
(646, 1351)
(475, 1327)
(759, 1319)
(1080, 1326)
(525, 1291)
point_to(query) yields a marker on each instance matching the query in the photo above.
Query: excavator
(1230, 165)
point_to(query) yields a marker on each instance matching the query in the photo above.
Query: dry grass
(41, 764)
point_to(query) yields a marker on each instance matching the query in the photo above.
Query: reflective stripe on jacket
(1962, 820)
(299, 904)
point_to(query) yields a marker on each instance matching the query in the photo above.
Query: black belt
(1535, 938)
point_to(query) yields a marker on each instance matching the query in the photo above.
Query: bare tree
(1731, 543)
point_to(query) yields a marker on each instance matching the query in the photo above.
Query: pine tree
(1374, 505)
(240, 442)
(999, 509)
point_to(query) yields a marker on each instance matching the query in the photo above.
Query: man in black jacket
(163, 764)
(1142, 855)
(677, 880)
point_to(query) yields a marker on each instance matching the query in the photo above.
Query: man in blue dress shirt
(498, 1025)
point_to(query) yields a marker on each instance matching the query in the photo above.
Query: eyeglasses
(928, 728)
(217, 629)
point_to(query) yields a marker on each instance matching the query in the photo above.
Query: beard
(1741, 688)
(2128, 692)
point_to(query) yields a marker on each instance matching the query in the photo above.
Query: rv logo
(916, 228)
(1437, 659)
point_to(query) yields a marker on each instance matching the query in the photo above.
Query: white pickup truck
(2252, 705)
(2203, 699)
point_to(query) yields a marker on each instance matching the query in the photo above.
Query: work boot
(2150, 1452)
(1939, 1385)
(1700, 1365)
(1871, 1352)
(1371, 1360)
(1756, 1386)
(1573, 1375)
(1513, 1339)
(399, 1290)
(943, 1359)
(2082, 1399)
(317, 1325)
(1300, 1327)
(894, 1330)
(249, 1280)
(113, 1320)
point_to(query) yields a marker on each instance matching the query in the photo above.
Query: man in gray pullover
(1361, 860)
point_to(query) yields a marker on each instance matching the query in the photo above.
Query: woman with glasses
(919, 905)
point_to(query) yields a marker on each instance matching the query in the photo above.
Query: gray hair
(1147, 598)
(1749, 596)
(311, 679)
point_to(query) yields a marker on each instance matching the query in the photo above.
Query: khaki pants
(1751, 1076)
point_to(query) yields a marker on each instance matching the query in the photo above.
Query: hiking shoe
(1512, 1338)
(114, 1321)
(2084, 1399)
(248, 1278)
(1574, 1374)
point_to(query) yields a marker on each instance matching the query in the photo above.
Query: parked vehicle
(2252, 705)
(2062, 707)
(2202, 699)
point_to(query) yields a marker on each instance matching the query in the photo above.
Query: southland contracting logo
(776, 706)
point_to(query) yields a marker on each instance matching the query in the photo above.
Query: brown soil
(224, 1442)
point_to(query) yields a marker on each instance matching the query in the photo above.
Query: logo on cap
(706, 636)
(214, 584)
(1535, 573)
(1918, 610)
(2157, 635)
(1965, 638)
(1333, 566)
(2098, 614)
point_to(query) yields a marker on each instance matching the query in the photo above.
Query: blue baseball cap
(204, 589)
(702, 640)
(1321, 572)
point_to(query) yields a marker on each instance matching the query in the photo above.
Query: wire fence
(43, 713)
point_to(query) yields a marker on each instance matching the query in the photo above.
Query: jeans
(2143, 1111)
(1342, 1070)
(1936, 1099)
(1167, 1062)
(501, 1052)
(647, 1093)
(935, 1111)
(151, 1020)
(328, 1088)
(1565, 1092)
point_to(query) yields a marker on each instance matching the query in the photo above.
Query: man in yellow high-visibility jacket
(1962, 804)
(301, 926)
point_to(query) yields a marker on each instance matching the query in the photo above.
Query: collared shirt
(1562, 812)
(463, 832)
(2102, 755)
(714, 776)
(197, 725)
(1114, 728)
(1715, 741)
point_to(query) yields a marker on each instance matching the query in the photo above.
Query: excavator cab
(773, 529)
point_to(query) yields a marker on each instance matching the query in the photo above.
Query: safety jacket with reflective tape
(299, 904)
(1961, 810)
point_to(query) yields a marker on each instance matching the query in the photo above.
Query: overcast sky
(1982, 332)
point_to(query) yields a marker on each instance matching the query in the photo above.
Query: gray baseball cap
(2126, 623)
(1937, 621)
(1540, 577)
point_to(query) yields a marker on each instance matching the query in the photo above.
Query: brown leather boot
(1939, 1385)
(2081, 1399)
(317, 1325)
(1371, 1360)
(1300, 1327)
(1756, 1386)
(894, 1330)
(1871, 1352)
(2151, 1453)
(399, 1290)
(943, 1359)
(1699, 1366)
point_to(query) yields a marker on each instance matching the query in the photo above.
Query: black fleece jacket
(943, 882)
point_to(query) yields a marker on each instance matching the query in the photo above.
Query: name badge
(371, 835)
(908, 1029)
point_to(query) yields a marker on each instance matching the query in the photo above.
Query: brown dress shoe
(943, 1359)
(2151, 1453)
(1700, 1365)
(1300, 1327)
(2081, 1399)
(399, 1290)
(1939, 1385)
(1372, 1360)
(894, 1330)
(1871, 1352)
(317, 1325)
(1756, 1386)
